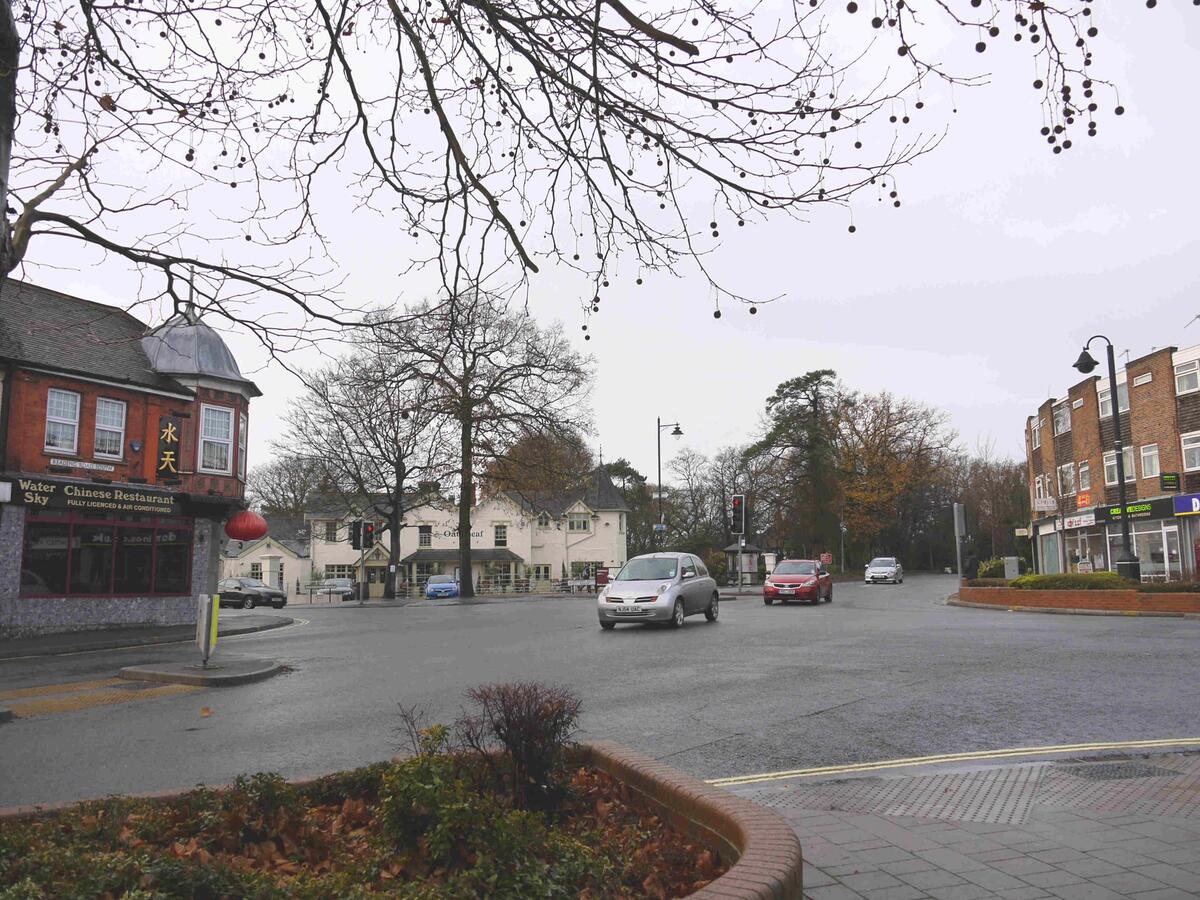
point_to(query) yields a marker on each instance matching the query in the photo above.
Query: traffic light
(356, 534)
(368, 535)
(738, 515)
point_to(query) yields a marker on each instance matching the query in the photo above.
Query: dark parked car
(798, 579)
(247, 593)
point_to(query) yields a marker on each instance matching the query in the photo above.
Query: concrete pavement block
(223, 673)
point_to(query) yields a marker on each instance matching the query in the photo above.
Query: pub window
(579, 522)
(256, 571)
(544, 520)
(62, 420)
(339, 571)
(216, 440)
(242, 424)
(424, 535)
(110, 427)
(331, 532)
(501, 534)
(69, 554)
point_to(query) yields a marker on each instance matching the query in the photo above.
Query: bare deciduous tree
(285, 484)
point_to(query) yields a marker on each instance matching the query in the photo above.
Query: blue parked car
(440, 586)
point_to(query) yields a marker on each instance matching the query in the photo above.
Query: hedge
(987, 582)
(1096, 581)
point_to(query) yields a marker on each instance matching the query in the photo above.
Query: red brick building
(123, 451)
(1072, 470)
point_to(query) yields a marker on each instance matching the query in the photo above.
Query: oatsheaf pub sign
(47, 493)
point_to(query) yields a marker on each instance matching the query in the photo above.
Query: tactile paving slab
(1159, 790)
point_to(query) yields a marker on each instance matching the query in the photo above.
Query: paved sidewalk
(1092, 828)
(116, 638)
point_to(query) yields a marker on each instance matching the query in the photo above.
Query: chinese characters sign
(166, 466)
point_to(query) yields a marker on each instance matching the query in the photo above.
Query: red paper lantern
(246, 526)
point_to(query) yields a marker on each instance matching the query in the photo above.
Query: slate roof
(497, 554)
(338, 506)
(598, 493)
(287, 531)
(49, 329)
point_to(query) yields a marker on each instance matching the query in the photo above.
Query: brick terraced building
(1072, 470)
(122, 453)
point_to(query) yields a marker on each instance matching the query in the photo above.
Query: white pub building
(519, 540)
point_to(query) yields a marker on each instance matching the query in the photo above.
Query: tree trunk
(466, 583)
(389, 585)
(10, 60)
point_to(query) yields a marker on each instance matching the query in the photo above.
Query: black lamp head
(1086, 363)
(678, 432)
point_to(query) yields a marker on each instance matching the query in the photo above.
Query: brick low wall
(768, 864)
(1108, 601)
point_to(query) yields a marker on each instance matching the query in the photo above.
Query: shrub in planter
(1096, 581)
(994, 567)
(988, 582)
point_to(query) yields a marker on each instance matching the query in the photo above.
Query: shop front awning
(495, 554)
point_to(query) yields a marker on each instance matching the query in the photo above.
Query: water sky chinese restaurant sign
(49, 493)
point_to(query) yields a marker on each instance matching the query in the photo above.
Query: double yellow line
(738, 780)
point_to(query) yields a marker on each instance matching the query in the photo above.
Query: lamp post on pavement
(677, 433)
(1127, 562)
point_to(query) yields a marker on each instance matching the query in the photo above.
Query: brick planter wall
(768, 858)
(1107, 601)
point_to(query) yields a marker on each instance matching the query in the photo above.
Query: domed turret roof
(184, 346)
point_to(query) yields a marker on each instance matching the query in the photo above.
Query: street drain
(1117, 770)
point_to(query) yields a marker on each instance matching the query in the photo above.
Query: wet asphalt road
(882, 672)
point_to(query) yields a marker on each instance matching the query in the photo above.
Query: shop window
(216, 440)
(1190, 443)
(501, 535)
(1150, 461)
(75, 555)
(1085, 476)
(1187, 377)
(62, 420)
(242, 437)
(110, 428)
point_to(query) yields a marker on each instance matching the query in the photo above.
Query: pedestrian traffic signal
(356, 534)
(368, 535)
(737, 516)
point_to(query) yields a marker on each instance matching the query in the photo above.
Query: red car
(798, 579)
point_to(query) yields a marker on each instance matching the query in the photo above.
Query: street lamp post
(1127, 562)
(677, 433)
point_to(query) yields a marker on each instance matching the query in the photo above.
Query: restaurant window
(242, 425)
(424, 535)
(501, 535)
(216, 439)
(110, 428)
(62, 420)
(72, 554)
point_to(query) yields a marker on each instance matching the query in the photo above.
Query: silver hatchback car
(659, 587)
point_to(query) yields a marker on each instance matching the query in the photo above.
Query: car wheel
(246, 603)
(677, 615)
(713, 609)
(608, 626)
(829, 596)
(278, 605)
(768, 601)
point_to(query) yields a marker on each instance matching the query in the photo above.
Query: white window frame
(243, 424)
(1144, 378)
(1065, 409)
(581, 519)
(61, 420)
(1190, 442)
(1105, 397)
(424, 536)
(620, 523)
(1036, 431)
(1085, 475)
(1069, 490)
(331, 532)
(201, 440)
(500, 535)
(120, 432)
(256, 570)
(1077, 404)
(1130, 471)
(1154, 456)
(543, 520)
(1185, 369)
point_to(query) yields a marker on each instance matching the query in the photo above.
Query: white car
(659, 587)
(884, 569)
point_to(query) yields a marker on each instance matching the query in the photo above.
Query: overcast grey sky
(974, 296)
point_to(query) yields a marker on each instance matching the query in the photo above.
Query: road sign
(1021, 532)
(826, 559)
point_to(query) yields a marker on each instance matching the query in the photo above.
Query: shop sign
(1045, 504)
(1083, 520)
(1082, 499)
(1187, 505)
(166, 465)
(1168, 482)
(1140, 509)
(47, 493)
(1084, 567)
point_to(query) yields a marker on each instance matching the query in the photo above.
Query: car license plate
(627, 609)
(787, 590)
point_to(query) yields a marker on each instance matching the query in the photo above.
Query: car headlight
(769, 584)
(663, 588)
(809, 582)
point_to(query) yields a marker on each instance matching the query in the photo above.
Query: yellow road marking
(950, 758)
(76, 701)
(64, 688)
